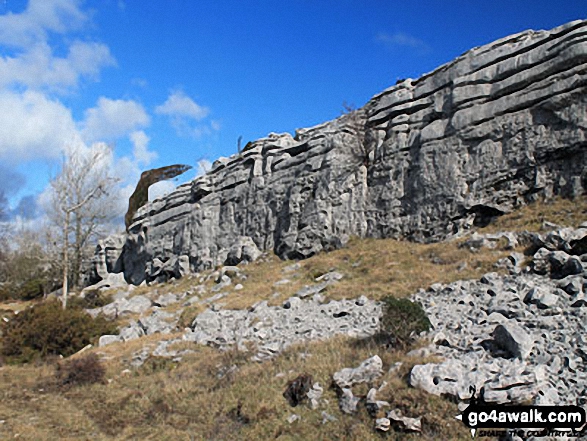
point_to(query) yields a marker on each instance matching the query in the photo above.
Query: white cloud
(178, 104)
(113, 118)
(186, 116)
(204, 166)
(141, 151)
(33, 126)
(401, 39)
(160, 189)
(39, 68)
(38, 19)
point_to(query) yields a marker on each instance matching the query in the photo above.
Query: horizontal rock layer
(495, 128)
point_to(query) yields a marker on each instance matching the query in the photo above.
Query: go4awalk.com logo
(540, 420)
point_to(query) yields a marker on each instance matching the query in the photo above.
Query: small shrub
(79, 371)
(47, 329)
(31, 289)
(297, 389)
(6, 292)
(402, 320)
(93, 299)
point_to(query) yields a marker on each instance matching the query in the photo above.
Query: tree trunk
(77, 264)
(65, 259)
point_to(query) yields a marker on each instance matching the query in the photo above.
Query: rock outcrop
(497, 127)
(520, 336)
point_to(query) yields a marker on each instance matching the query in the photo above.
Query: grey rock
(243, 249)
(136, 305)
(282, 282)
(223, 282)
(407, 423)
(292, 303)
(166, 299)
(109, 281)
(541, 261)
(314, 395)
(347, 401)
(159, 322)
(542, 297)
(382, 424)
(368, 371)
(106, 260)
(140, 357)
(372, 404)
(273, 328)
(108, 340)
(562, 264)
(327, 418)
(292, 268)
(572, 285)
(132, 331)
(310, 290)
(514, 339)
(498, 126)
(332, 276)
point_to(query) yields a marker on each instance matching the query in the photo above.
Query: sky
(179, 81)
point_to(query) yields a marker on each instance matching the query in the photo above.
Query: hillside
(180, 389)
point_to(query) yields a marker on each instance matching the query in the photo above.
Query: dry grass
(563, 212)
(216, 395)
(193, 400)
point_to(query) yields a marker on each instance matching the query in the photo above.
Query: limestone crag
(495, 128)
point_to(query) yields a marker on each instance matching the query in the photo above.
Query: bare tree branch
(81, 203)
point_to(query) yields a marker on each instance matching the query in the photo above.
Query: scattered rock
(347, 401)
(368, 371)
(406, 423)
(372, 404)
(327, 418)
(514, 339)
(108, 339)
(382, 424)
(314, 395)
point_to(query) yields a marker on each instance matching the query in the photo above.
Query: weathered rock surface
(497, 127)
(368, 371)
(273, 328)
(518, 336)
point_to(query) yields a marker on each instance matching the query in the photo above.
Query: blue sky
(180, 80)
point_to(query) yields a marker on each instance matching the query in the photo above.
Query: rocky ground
(518, 334)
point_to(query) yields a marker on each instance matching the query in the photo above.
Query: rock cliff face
(495, 128)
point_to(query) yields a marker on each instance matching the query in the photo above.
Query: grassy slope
(193, 400)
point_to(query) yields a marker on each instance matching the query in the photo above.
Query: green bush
(47, 329)
(79, 371)
(31, 289)
(92, 299)
(403, 320)
(28, 290)
(6, 292)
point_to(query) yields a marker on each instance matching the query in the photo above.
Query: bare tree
(81, 205)
(355, 125)
(4, 232)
